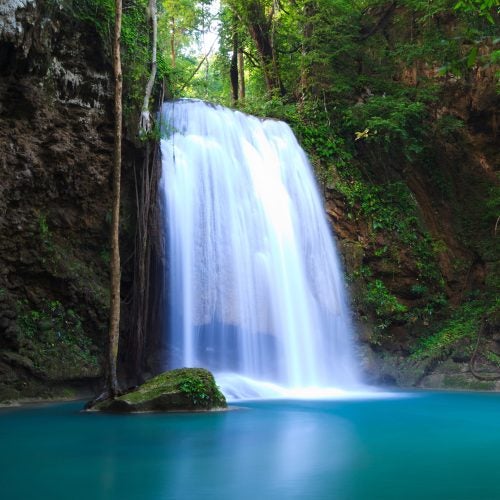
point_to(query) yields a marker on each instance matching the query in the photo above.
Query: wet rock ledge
(184, 389)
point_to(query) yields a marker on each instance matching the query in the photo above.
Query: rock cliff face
(455, 202)
(55, 164)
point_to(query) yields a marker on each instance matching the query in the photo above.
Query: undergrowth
(54, 338)
(463, 325)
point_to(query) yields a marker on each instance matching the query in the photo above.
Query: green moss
(197, 383)
(54, 339)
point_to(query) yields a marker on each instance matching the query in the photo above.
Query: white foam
(240, 388)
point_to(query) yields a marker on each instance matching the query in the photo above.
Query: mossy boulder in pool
(184, 389)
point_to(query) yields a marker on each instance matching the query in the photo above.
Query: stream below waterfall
(419, 445)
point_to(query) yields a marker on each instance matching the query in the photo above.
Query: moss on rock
(184, 389)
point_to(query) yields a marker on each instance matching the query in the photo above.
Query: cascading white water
(256, 291)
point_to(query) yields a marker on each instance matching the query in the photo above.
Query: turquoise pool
(420, 446)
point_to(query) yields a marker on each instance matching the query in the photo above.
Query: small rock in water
(184, 389)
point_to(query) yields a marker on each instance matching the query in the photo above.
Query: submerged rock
(184, 389)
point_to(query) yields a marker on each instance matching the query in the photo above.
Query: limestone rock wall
(55, 192)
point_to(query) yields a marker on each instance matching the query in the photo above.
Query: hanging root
(472, 360)
(145, 122)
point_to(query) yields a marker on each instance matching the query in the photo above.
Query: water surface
(429, 445)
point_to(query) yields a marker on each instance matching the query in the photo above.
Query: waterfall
(256, 290)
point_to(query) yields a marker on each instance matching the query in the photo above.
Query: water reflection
(274, 454)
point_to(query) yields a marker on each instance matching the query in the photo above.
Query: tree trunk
(233, 69)
(145, 120)
(172, 42)
(241, 72)
(260, 30)
(114, 309)
(268, 60)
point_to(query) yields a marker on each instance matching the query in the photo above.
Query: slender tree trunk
(114, 310)
(241, 77)
(145, 120)
(233, 69)
(172, 42)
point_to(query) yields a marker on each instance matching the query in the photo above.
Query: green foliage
(419, 289)
(463, 326)
(455, 330)
(493, 358)
(394, 122)
(44, 234)
(54, 338)
(202, 391)
(196, 390)
(384, 303)
(391, 208)
(484, 8)
(98, 13)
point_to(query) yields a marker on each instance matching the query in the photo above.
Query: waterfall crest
(256, 291)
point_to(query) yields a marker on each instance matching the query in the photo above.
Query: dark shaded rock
(184, 389)
(8, 314)
(16, 359)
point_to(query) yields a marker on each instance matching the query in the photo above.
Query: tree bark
(114, 309)
(261, 37)
(241, 77)
(145, 120)
(260, 28)
(233, 69)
